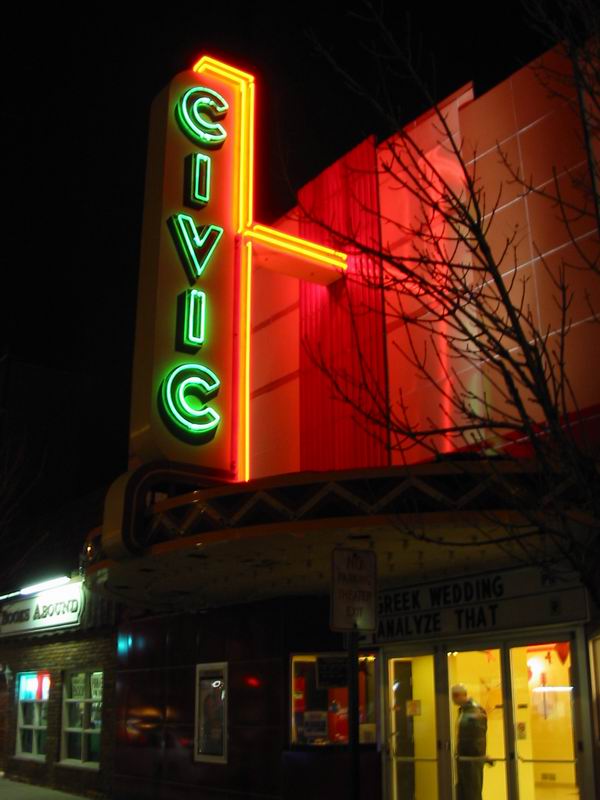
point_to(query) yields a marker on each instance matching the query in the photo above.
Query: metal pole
(353, 716)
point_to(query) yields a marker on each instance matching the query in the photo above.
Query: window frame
(35, 726)
(84, 732)
(313, 654)
(217, 670)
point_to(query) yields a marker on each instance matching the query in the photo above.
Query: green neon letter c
(198, 112)
(194, 422)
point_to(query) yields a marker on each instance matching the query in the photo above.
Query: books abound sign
(56, 608)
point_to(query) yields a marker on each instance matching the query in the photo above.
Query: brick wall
(57, 655)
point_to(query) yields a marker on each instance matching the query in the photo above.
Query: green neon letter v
(194, 245)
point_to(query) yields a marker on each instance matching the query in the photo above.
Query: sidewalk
(13, 790)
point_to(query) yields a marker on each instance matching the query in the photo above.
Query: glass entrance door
(411, 728)
(477, 724)
(542, 689)
(495, 722)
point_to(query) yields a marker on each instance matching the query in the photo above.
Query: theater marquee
(479, 604)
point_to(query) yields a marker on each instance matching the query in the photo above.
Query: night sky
(76, 99)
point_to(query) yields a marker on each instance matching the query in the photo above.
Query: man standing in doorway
(470, 744)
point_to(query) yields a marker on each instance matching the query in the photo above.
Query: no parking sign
(353, 590)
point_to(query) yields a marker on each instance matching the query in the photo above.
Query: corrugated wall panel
(343, 382)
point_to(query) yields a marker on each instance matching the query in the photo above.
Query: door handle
(548, 760)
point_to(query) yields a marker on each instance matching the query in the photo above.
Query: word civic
(188, 387)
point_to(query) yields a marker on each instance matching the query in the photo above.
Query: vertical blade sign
(190, 364)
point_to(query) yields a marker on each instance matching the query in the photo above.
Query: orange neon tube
(294, 244)
(244, 83)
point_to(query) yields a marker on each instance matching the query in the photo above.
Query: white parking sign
(353, 590)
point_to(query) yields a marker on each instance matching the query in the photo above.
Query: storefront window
(32, 719)
(211, 713)
(319, 695)
(82, 717)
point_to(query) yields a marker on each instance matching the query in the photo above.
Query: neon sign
(192, 309)
(195, 245)
(199, 244)
(193, 109)
(197, 180)
(179, 388)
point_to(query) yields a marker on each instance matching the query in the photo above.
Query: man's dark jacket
(472, 729)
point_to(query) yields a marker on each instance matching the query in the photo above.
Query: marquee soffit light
(53, 583)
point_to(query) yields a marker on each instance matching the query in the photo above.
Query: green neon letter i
(197, 180)
(191, 320)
